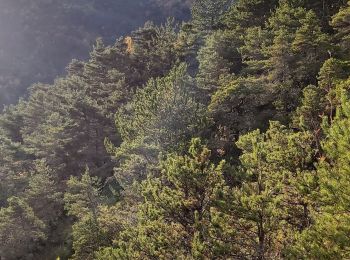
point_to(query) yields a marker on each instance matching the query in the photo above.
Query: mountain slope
(39, 37)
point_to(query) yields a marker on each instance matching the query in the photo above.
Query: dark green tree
(20, 229)
(217, 58)
(82, 200)
(312, 48)
(249, 13)
(340, 22)
(207, 15)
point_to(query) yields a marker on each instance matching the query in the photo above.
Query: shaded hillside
(39, 37)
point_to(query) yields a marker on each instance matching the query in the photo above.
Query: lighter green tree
(328, 237)
(20, 229)
(175, 218)
(272, 203)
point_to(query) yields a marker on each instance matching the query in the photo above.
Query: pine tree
(217, 58)
(340, 22)
(240, 106)
(254, 50)
(82, 201)
(294, 58)
(312, 45)
(244, 14)
(332, 73)
(43, 194)
(308, 114)
(20, 230)
(174, 220)
(324, 9)
(154, 53)
(321, 100)
(161, 118)
(82, 197)
(207, 15)
(281, 59)
(15, 159)
(281, 62)
(328, 238)
(129, 111)
(272, 203)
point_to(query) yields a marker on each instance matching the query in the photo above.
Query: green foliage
(176, 213)
(154, 49)
(309, 113)
(82, 201)
(27, 219)
(320, 101)
(207, 15)
(164, 112)
(313, 45)
(328, 238)
(249, 13)
(272, 202)
(43, 193)
(82, 197)
(340, 22)
(226, 137)
(16, 242)
(161, 117)
(240, 106)
(218, 57)
(253, 51)
(297, 52)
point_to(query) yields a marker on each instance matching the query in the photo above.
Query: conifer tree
(324, 9)
(332, 73)
(312, 45)
(217, 58)
(328, 238)
(244, 14)
(273, 202)
(15, 159)
(207, 15)
(254, 50)
(161, 117)
(20, 229)
(308, 114)
(82, 201)
(340, 22)
(175, 218)
(233, 116)
(321, 100)
(154, 51)
(294, 58)
(43, 194)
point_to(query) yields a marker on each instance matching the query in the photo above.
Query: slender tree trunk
(261, 237)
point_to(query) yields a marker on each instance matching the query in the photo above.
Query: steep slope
(38, 38)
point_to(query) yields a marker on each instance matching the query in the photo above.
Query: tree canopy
(222, 137)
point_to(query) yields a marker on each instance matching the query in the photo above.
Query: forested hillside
(225, 137)
(39, 37)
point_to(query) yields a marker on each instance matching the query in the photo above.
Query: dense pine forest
(223, 137)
